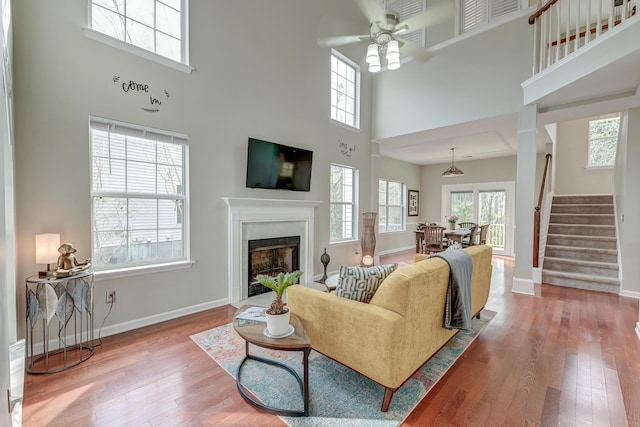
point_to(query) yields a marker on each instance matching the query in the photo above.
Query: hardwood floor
(562, 357)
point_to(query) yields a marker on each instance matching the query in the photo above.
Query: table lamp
(47, 251)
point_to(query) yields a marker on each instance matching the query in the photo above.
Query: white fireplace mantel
(262, 218)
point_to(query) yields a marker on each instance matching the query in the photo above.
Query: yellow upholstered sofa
(392, 336)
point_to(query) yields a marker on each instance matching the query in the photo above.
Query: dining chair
(434, 239)
(482, 235)
(471, 240)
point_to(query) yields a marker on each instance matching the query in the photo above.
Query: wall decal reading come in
(142, 91)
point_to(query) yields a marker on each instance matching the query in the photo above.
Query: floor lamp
(368, 239)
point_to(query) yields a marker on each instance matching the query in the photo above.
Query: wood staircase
(581, 250)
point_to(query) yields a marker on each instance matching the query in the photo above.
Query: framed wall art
(413, 199)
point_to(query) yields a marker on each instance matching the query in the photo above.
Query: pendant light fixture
(452, 170)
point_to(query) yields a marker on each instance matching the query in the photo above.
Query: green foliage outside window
(603, 141)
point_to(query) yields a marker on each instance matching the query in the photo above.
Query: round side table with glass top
(59, 322)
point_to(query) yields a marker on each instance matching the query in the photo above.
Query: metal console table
(64, 308)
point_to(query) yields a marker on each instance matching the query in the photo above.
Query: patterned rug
(338, 395)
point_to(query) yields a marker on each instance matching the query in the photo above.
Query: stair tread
(602, 238)
(570, 224)
(577, 248)
(600, 264)
(580, 276)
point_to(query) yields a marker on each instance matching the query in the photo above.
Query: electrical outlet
(111, 297)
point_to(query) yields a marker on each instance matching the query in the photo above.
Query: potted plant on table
(278, 315)
(452, 219)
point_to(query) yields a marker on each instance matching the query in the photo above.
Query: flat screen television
(277, 166)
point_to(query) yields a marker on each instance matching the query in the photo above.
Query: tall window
(158, 26)
(343, 203)
(345, 90)
(138, 195)
(476, 12)
(603, 141)
(391, 205)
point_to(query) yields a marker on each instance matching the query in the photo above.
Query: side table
(253, 332)
(69, 300)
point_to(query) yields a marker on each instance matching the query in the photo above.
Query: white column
(525, 199)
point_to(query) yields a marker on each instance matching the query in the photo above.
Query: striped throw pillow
(360, 283)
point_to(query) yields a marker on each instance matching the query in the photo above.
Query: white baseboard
(157, 318)
(537, 275)
(523, 286)
(630, 294)
(38, 347)
(397, 250)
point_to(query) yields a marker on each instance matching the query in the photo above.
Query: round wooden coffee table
(253, 332)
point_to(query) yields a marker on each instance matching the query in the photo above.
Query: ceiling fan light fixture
(452, 170)
(372, 54)
(393, 64)
(393, 51)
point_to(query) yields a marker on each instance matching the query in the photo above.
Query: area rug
(338, 395)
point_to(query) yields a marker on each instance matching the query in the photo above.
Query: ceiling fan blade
(337, 31)
(341, 40)
(413, 50)
(371, 9)
(433, 15)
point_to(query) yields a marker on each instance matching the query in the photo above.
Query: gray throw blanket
(457, 311)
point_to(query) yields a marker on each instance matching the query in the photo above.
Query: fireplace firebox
(271, 257)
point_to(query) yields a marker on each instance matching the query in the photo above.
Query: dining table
(457, 235)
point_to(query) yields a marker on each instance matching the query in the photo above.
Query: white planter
(278, 324)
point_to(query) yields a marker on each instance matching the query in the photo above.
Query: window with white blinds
(478, 12)
(138, 195)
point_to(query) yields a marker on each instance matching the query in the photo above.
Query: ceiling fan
(385, 32)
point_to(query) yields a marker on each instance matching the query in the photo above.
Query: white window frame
(384, 228)
(353, 224)
(182, 65)
(336, 58)
(109, 271)
(591, 166)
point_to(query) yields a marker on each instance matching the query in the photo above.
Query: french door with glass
(485, 203)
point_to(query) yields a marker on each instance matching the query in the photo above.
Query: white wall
(8, 317)
(572, 151)
(396, 170)
(258, 73)
(627, 176)
(475, 78)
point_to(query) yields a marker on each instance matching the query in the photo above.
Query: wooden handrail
(536, 214)
(543, 9)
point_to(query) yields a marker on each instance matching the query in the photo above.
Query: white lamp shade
(393, 64)
(393, 51)
(47, 248)
(372, 54)
(374, 67)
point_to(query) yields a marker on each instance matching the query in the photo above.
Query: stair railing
(536, 215)
(561, 27)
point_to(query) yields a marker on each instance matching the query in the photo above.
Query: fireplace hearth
(270, 257)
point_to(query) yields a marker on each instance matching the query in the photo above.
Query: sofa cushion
(361, 283)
